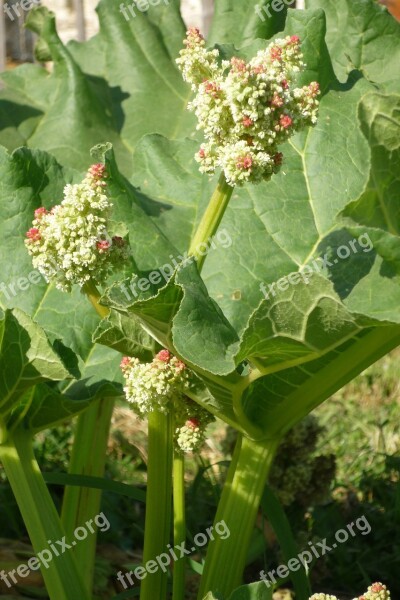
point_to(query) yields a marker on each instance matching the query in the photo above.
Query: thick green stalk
(158, 502)
(62, 578)
(88, 458)
(238, 507)
(178, 590)
(94, 296)
(82, 504)
(211, 220)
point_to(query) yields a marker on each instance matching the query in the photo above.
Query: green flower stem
(238, 507)
(88, 458)
(178, 590)
(211, 219)
(82, 504)
(94, 296)
(158, 502)
(62, 578)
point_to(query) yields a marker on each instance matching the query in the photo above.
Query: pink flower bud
(40, 212)
(285, 121)
(276, 53)
(377, 587)
(164, 355)
(259, 69)
(33, 234)
(125, 362)
(295, 39)
(212, 89)
(277, 100)
(247, 122)
(202, 153)
(246, 162)
(193, 423)
(238, 65)
(97, 171)
(193, 37)
(103, 245)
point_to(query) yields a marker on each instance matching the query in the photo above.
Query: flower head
(322, 597)
(196, 62)
(192, 421)
(376, 591)
(246, 109)
(153, 386)
(69, 245)
(162, 385)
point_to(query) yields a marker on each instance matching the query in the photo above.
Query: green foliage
(263, 362)
(46, 335)
(361, 35)
(252, 591)
(337, 321)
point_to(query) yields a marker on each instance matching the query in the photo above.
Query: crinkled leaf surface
(100, 91)
(309, 336)
(237, 23)
(311, 326)
(118, 86)
(26, 358)
(362, 35)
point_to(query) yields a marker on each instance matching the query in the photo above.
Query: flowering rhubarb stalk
(245, 110)
(176, 425)
(376, 591)
(70, 245)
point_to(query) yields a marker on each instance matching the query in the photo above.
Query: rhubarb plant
(298, 118)
(50, 372)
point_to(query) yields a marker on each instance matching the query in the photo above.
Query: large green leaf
(252, 591)
(238, 23)
(324, 326)
(26, 358)
(29, 368)
(118, 86)
(100, 91)
(41, 314)
(362, 35)
(313, 319)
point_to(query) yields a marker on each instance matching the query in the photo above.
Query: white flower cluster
(69, 244)
(161, 385)
(376, 591)
(247, 109)
(153, 386)
(193, 421)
